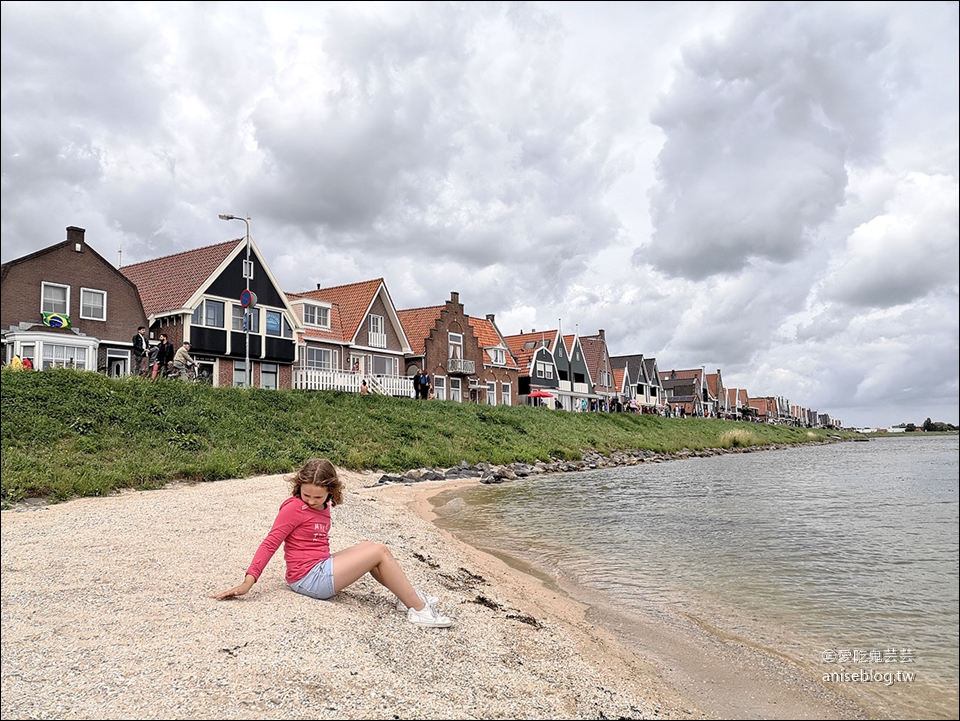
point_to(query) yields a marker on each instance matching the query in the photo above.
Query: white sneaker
(429, 600)
(428, 617)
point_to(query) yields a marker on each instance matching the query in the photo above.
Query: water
(808, 552)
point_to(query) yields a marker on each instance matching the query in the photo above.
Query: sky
(765, 189)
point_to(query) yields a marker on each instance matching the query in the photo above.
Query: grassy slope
(72, 433)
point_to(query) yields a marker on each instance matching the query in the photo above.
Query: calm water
(809, 552)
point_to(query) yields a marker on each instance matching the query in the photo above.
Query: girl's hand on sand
(232, 593)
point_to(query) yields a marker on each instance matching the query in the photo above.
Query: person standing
(416, 385)
(425, 385)
(165, 354)
(141, 348)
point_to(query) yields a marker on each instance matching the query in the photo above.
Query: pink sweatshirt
(304, 534)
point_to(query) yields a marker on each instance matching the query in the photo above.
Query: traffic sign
(248, 299)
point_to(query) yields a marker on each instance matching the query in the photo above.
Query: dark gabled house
(66, 306)
(201, 296)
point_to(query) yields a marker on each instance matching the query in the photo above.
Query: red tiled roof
(336, 332)
(618, 378)
(593, 347)
(166, 284)
(417, 324)
(488, 337)
(351, 303)
(525, 355)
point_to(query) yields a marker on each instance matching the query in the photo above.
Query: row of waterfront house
(65, 305)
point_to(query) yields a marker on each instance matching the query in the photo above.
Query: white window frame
(317, 316)
(491, 393)
(391, 365)
(320, 359)
(506, 394)
(102, 294)
(61, 355)
(237, 318)
(456, 390)
(440, 388)
(46, 306)
(497, 356)
(239, 374)
(455, 345)
(269, 376)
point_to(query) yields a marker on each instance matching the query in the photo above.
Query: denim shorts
(318, 583)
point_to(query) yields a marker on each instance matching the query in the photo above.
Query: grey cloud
(759, 127)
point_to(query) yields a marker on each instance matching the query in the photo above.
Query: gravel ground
(107, 614)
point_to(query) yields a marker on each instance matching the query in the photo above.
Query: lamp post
(247, 273)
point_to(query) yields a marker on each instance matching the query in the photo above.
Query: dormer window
(316, 315)
(497, 355)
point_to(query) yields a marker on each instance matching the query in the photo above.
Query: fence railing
(318, 380)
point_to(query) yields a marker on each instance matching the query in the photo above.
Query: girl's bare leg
(374, 558)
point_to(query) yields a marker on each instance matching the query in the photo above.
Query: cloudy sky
(766, 189)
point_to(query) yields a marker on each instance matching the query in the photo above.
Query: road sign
(248, 299)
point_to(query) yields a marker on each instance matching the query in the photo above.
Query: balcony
(377, 340)
(460, 367)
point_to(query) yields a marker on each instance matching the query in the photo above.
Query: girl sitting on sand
(303, 526)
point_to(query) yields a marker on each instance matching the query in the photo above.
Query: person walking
(303, 524)
(141, 349)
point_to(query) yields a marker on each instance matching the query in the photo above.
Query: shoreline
(727, 675)
(107, 614)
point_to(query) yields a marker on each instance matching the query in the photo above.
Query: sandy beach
(107, 613)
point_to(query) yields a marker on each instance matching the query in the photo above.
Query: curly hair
(318, 472)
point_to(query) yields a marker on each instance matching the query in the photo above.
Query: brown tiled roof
(336, 332)
(688, 374)
(618, 378)
(166, 284)
(593, 354)
(488, 337)
(713, 384)
(351, 302)
(417, 324)
(525, 355)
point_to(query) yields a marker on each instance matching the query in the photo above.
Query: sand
(107, 614)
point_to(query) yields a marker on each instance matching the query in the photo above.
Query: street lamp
(247, 274)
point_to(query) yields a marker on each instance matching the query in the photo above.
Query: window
(316, 315)
(55, 298)
(93, 304)
(544, 370)
(321, 359)
(277, 325)
(268, 376)
(239, 373)
(63, 356)
(455, 392)
(506, 397)
(209, 313)
(377, 336)
(253, 318)
(385, 366)
(491, 393)
(454, 345)
(497, 355)
(440, 388)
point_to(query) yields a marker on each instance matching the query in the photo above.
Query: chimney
(319, 286)
(75, 236)
(454, 297)
(491, 318)
(602, 336)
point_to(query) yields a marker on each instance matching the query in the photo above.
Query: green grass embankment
(72, 433)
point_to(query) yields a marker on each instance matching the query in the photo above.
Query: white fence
(314, 380)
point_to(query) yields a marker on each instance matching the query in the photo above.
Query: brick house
(66, 305)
